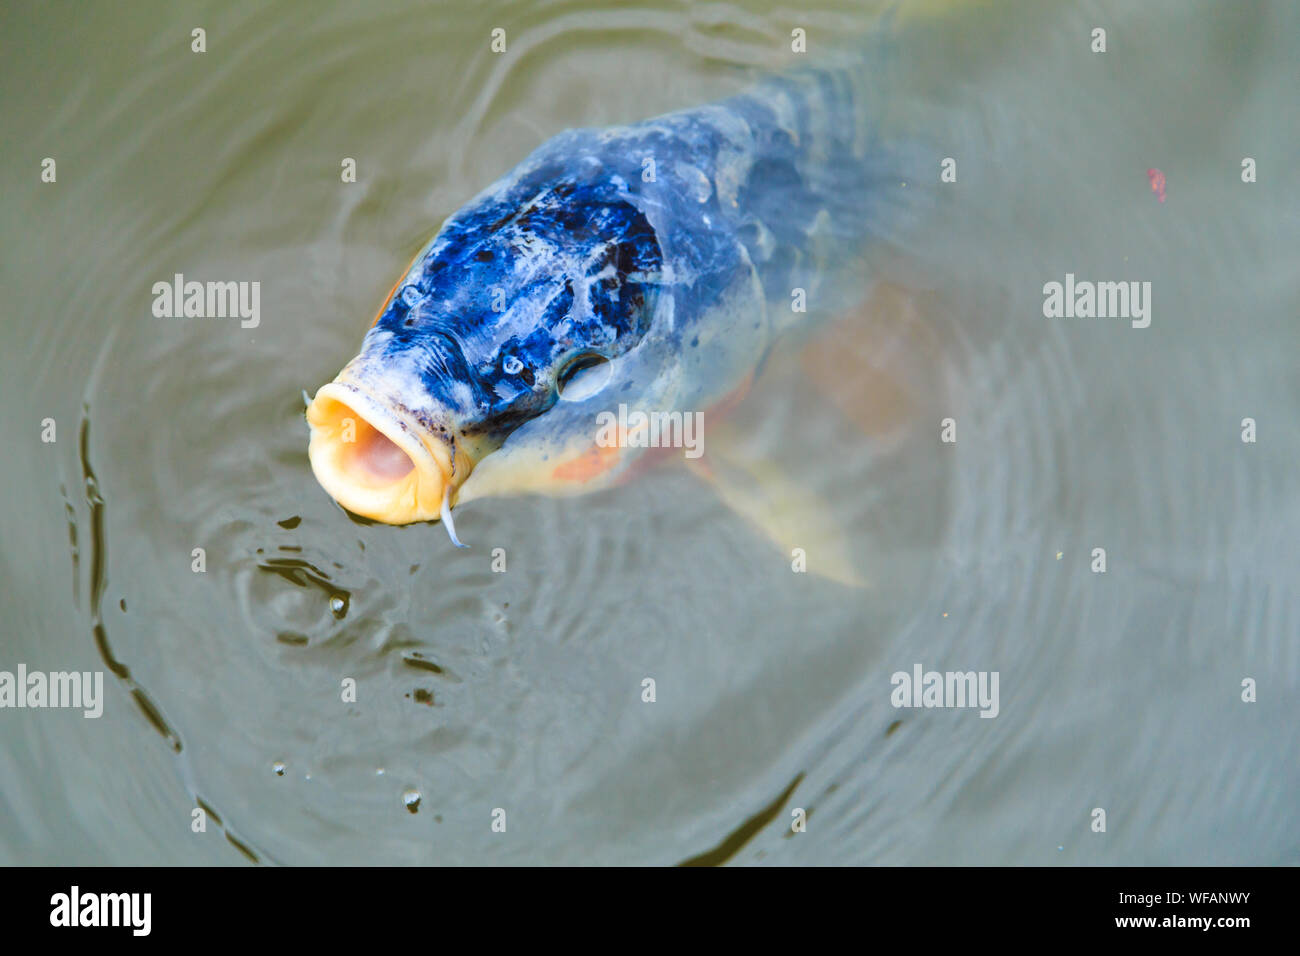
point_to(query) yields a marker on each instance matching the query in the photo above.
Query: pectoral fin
(860, 379)
(762, 492)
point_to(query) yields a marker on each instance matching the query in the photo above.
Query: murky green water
(522, 691)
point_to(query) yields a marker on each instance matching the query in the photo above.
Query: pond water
(482, 696)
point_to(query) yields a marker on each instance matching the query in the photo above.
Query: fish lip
(416, 496)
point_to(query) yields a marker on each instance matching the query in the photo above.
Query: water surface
(523, 690)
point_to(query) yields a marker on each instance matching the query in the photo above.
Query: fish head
(529, 295)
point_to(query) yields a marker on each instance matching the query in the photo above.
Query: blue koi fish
(648, 268)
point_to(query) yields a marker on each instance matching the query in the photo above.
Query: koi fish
(651, 266)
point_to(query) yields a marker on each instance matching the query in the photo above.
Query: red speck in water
(1157, 183)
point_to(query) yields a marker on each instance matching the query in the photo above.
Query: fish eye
(583, 376)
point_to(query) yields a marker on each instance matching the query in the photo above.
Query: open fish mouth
(375, 459)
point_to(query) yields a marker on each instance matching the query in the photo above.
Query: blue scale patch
(567, 257)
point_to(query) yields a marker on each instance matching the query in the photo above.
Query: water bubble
(278, 767)
(411, 798)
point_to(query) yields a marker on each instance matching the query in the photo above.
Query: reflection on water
(332, 690)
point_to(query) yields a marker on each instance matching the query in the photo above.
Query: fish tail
(875, 129)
